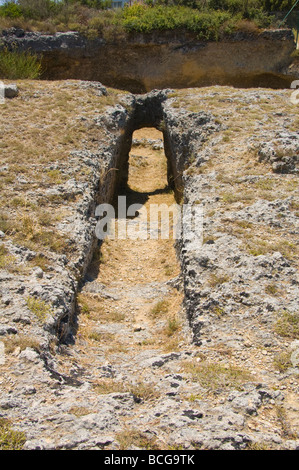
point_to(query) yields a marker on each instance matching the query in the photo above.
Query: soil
(133, 276)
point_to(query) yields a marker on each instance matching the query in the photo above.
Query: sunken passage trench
(130, 303)
(130, 299)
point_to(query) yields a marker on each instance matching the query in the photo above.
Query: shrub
(39, 9)
(142, 19)
(207, 19)
(19, 65)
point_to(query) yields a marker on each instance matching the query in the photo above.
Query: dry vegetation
(243, 119)
(39, 129)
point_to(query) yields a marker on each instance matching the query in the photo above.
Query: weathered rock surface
(11, 91)
(235, 288)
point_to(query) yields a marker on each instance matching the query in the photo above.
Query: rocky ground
(149, 344)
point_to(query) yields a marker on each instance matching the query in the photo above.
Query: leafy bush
(207, 19)
(10, 10)
(19, 65)
(143, 19)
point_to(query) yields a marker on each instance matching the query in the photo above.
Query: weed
(214, 376)
(116, 316)
(55, 176)
(258, 446)
(20, 341)
(6, 260)
(265, 184)
(271, 289)
(10, 439)
(258, 246)
(143, 391)
(172, 327)
(230, 197)
(106, 386)
(168, 270)
(83, 305)
(194, 397)
(79, 411)
(219, 311)
(216, 280)
(95, 336)
(287, 325)
(5, 224)
(243, 224)
(286, 428)
(18, 202)
(49, 239)
(282, 361)
(131, 437)
(45, 218)
(41, 261)
(294, 205)
(160, 308)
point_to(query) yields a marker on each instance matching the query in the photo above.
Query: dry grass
(79, 411)
(282, 361)
(106, 386)
(96, 308)
(7, 261)
(260, 245)
(20, 341)
(287, 324)
(217, 279)
(131, 437)
(9, 438)
(213, 376)
(160, 309)
(52, 119)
